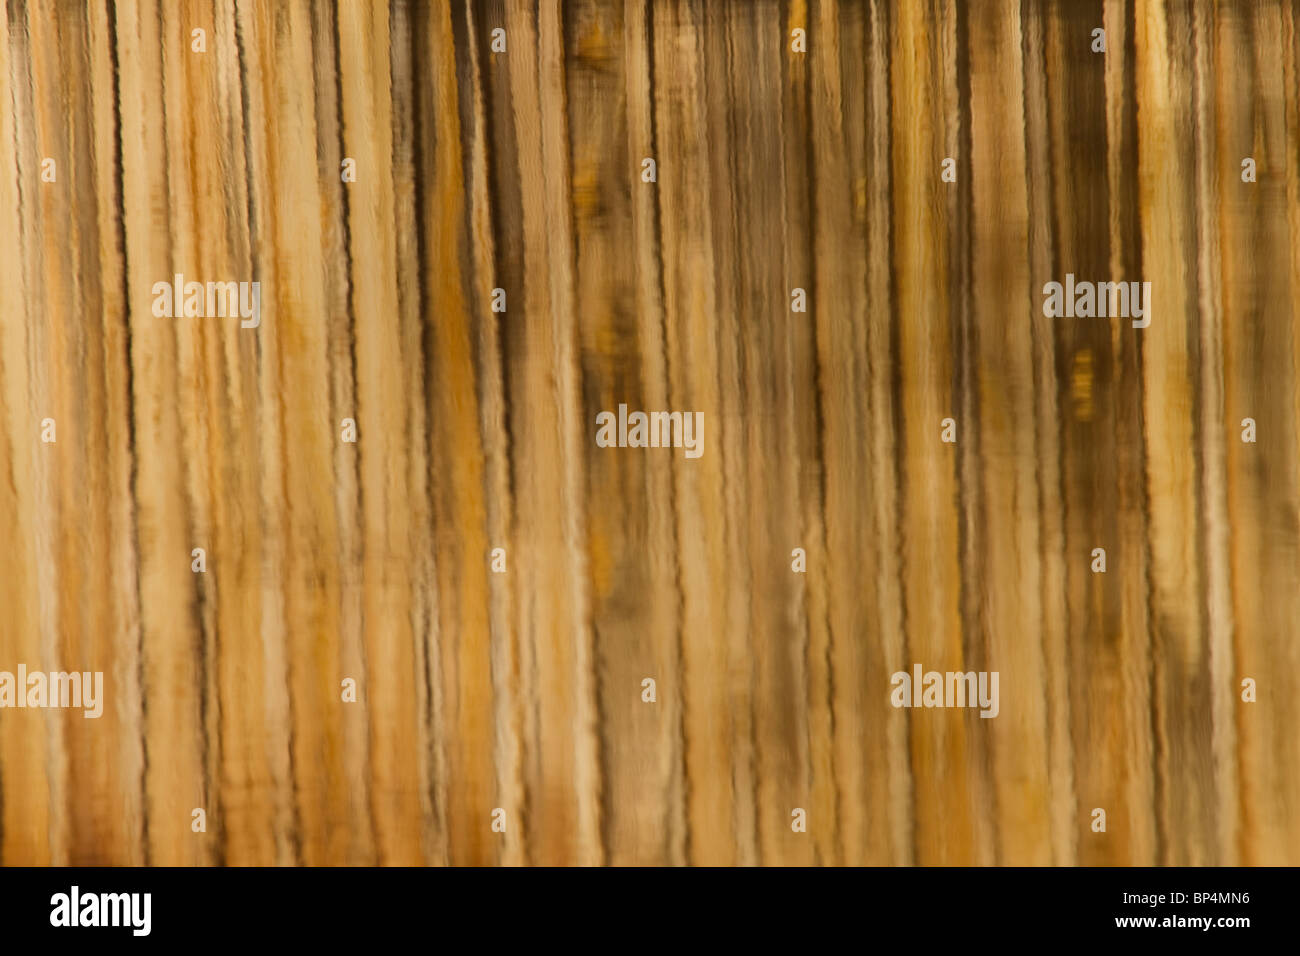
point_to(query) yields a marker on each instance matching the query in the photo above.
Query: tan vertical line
(841, 541)
(169, 690)
(1277, 300)
(627, 496)
(1289, 844)
(265, 416)
(465, 647)
(297, 349)
(122, 638)
(1259, 345)
(549, 812)
(790, 664)
(1168, 398)
(507, 709)
(207, 505)
(512, 218)
(662, 547)
(1063, 809)
(689, 307)
(555, 165)
(247, 779)
(46, 339)
(342, 389)
(1010, 566)
(555, 620)
(897, 827)
(980, 640)
(384, 381)
(63, 286)
(411, 25)
(1213, 435)
(945, 822)
(1290, 147)
(187, 151)
(25, 755)
(725, 45)
(838, 253)
(405, 78)
(1137, 757)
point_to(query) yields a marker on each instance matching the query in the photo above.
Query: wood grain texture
(521, 170)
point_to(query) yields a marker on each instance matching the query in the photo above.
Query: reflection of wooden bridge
(522, 691)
